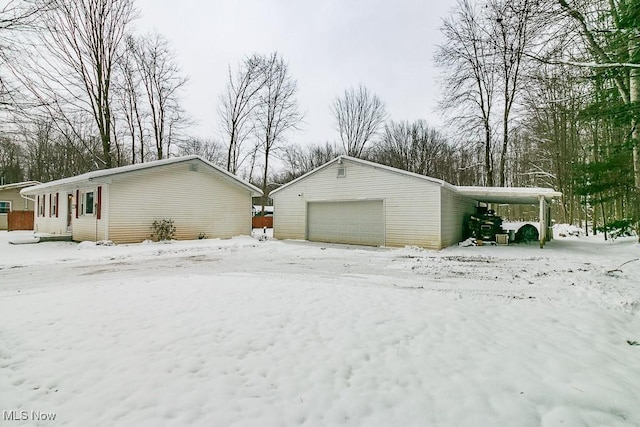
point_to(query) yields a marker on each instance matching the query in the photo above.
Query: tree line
(550, 91)
(535, 93)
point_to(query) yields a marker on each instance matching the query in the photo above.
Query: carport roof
(510, 195)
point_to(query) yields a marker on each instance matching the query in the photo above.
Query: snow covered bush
(163, 229)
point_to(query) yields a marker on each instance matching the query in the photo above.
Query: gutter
(31, 200)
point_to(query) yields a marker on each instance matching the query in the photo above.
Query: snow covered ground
(241, 332)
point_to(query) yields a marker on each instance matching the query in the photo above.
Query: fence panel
(20, 220)
(262, 221)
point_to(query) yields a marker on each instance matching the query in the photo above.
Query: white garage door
(358, 222)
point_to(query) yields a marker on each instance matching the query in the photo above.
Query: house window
(87, 201)
(5, 207)
(54, 204)
(342, 172)
(41, 205)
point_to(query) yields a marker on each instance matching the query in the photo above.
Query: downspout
(543, 223)
(104, 214)
(35, 210)
(31, 200)
(106, 190)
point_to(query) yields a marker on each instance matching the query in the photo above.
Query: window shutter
(99, 202)
(50, 198)
(77, 203)
(38, 207)
(57, 204)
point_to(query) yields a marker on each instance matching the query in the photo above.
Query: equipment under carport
(484, 225)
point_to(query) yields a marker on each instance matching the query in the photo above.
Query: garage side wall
(411, 205)
(196, 198)
(454, 209)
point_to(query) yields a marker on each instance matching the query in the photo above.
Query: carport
(518, 195)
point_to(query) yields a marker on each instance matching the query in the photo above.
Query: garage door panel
(356, 222)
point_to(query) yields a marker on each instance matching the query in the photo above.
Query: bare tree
(414, 147)
(129, 97)
(237, 105)
(162, 82)
(80, 45)
(300, 160)
(512, 29)
(10, 161)
(213, 151)
(358, 114)
(467, 56)
(15, 17)
(277, 110)
(54, 152)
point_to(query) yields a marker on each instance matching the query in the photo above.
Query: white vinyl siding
(356, 222)
(411, 205)
(198, 201)
(50, 224)
(454, 208)
(87, 226)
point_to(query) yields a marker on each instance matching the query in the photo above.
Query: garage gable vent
(342, 172)
(193, 167)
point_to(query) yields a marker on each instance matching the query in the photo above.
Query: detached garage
(353, 201)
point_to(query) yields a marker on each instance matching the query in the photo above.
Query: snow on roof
(512, 195)
(103, 173)
(19, 185)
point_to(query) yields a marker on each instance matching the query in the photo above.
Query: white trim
(511, 195)
(18, 185)
(341, 159)
(514, 195)
(54, 205)
(104, 215)
(10, 205)
(102, 176)
(94, 201)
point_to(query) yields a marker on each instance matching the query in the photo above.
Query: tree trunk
(505, 143)
(634, 99)
(487, 156)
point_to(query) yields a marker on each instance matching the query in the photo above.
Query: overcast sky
(330, 45)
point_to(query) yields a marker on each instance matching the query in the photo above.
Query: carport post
(543, 222)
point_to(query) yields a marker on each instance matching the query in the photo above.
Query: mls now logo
(16, 415)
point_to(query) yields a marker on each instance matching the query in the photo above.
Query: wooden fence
(262, 221)
(20, 220)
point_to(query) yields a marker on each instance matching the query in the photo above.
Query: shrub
(163, 229)
(619, 228)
